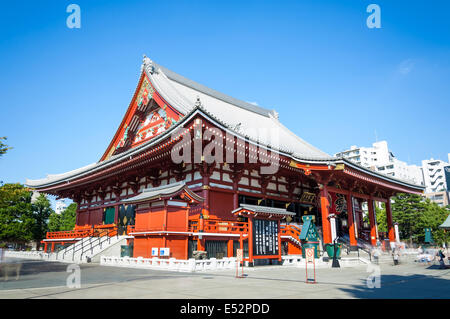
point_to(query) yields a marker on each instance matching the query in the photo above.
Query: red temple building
(191, 169)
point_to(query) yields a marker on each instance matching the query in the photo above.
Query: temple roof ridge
(171, 75)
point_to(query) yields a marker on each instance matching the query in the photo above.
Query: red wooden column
(165, 224)
(205, 190)
(250, 240)
(235, 194)
(390, 224)
(205, 172)
(45, 246)
(324, 206)
(373, 227)
(230, 248)
(53, 246)
(116, 214)
(350, 221)
(201, 242)
(279, 241)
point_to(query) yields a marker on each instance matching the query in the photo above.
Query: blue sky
(334, 81)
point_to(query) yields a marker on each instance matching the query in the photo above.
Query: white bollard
(171, 263)
(213, 264)
(192, 264)
(232, 263)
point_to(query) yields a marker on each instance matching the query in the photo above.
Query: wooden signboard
(265, 237)
(309, 253)
(239, 260)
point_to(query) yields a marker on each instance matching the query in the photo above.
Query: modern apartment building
(436, 175)
(60, 206)
(380, 159)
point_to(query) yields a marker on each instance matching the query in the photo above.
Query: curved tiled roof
(239, 117)
(258, 123)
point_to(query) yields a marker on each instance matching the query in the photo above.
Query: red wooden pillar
(279, 241)
(390, 224)
(116, 214)
(241, 245)
(350, 221)
(186, 245)
(201, 241)
(53, 246)
(324, 206)
(250, 240)
(164, 226)
(230, 248)
(45, 247)
(235, 195)
(373, 227)
(205, 194)
(165, 216)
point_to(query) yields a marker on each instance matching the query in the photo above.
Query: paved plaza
(39, 279)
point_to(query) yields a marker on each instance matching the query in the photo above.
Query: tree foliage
(3, 147)
(41, 212)
(54, 222)
(21, 219)
(413, 214)
(381, 217)
(15, 212)
(64, 221)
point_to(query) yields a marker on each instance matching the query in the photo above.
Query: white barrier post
(192, 264)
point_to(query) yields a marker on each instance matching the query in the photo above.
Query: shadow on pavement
(403, 287)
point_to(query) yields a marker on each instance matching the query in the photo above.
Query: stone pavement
(48, 280)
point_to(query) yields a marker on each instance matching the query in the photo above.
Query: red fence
(218, 226)
(290, 230)
(85, 231)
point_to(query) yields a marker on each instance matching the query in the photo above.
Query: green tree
(15, 212)
(40, 214)
(3, 147)
(54, 222)
(432, 217)
(407, 209)
(68, 217)
(381, 217)
(21, 218)
(413, 214)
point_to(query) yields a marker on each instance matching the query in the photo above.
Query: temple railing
(156, 229)
(84, 231)
(291, 231)
(130, 229)
(218, 226)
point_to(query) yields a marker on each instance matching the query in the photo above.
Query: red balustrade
(218, 226)
(85, 231)
(290, 230)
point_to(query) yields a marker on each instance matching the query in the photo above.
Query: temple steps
(89, 249)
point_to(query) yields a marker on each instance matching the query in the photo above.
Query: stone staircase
(89, 249)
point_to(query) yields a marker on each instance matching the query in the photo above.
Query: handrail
(290, 230)
(111, 233)
(80, 232)
(218, 226)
